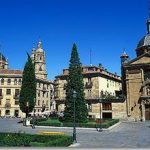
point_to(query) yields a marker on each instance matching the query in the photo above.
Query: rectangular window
(16, 92)
(16, 102)
(90, 107)
(8, 91)
(0, 92)
(146, 74)
(107, 106)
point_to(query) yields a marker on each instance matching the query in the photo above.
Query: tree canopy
(28, 88)
(75, 82)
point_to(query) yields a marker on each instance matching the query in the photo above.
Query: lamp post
(74, 117)
(100, 124)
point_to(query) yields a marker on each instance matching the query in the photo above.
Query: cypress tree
(28, 88)
(75, 82)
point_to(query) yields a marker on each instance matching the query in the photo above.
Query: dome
(145, 41)
(2, 57)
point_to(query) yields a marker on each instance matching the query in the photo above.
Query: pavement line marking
(50, 133)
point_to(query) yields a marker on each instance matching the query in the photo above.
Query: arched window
(19, 82)
(15, 81)
(8, 81)
(40, 69)
(2, 81)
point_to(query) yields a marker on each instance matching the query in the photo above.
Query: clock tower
(38, 57)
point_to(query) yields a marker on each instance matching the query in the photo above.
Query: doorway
(16, 113)
(147, 112)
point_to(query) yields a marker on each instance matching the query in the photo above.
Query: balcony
(88, 85)
(16, 96)
(7, 105)
(44, 89)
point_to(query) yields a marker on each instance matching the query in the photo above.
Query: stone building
(136, 80)
(98, 82)
(10, 85)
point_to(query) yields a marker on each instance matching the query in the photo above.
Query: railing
(88, 85)
(44, 89)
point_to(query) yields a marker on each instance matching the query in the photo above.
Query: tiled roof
(7, 71)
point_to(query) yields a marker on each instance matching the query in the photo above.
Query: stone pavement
(125, 135)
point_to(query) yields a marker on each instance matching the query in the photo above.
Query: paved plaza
(125, 135)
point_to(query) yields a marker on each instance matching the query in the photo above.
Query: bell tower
(38, 57)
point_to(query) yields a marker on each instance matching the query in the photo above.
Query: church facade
(136, 80)
(10, 85)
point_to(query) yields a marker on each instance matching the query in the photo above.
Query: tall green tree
(28, 88)
(75, 82)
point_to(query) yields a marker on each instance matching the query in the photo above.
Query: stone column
(128, 99)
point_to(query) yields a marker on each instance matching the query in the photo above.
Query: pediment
(143, 59)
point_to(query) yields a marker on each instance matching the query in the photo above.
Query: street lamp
(74, 113)
(100, 128)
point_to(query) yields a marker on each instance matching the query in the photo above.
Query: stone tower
(38, 57)
(3, 62)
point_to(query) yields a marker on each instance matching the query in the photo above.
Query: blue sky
(104, 26)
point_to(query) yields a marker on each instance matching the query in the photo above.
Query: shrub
(50, 122)
(100, 120)
(86, 125)
(19, 139)
(37, 120)
(16, 139)
(92, 119)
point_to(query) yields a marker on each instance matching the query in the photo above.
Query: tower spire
(124, 57)
(148, 20)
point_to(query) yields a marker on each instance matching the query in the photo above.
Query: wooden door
(147, 112)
